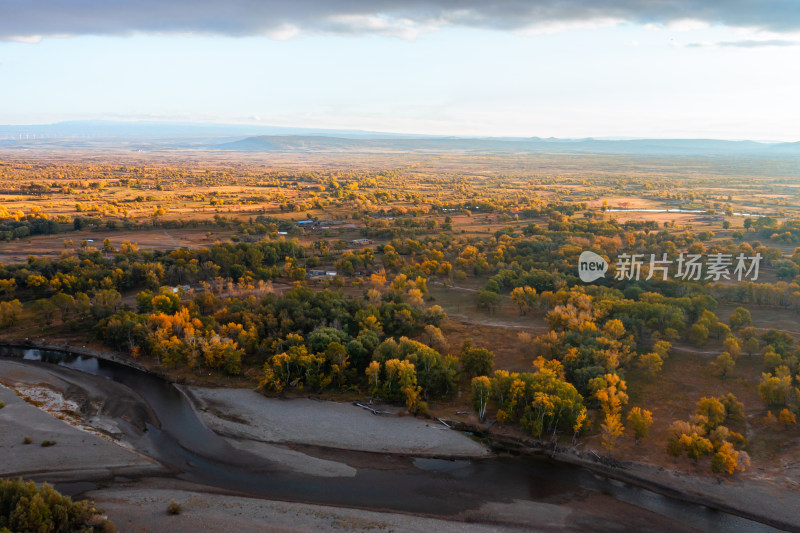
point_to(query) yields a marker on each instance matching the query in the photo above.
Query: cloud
(282, 19)
(745, 43)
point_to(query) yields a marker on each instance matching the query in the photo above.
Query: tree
(82, 304)
(488, 300)
(614, 329)
(775, 390)
(752, 346)
(46, 310)
(476, 361)
(651, 363)
(640, 420)
(7, 287)
(787, 418)
(772, 359)
(611, 429)
(725, 460)
(65, 303)
(105, 303)
(698, 334)
(610, 391)
(662, 348)
(524, 298)
(740, 318)
(373, 377)
(723, 364)
(734, 409)
(436, 339)
(10, 313)
(731, 345)
(481, 392)
(712, 409)
(580, 424)
(695, 445)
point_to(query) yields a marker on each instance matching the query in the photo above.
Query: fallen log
(443, 422)
(370, 409)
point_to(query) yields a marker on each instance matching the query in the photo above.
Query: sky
(547, 68)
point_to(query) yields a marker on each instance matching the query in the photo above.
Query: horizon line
(244, 124)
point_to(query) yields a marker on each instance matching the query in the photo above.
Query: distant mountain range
(689, 147)
(254, 138)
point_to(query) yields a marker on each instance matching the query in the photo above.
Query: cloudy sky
(565, 68)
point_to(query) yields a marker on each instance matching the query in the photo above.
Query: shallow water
(673, 210)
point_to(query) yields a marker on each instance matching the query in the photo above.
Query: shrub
(47, 443)
(27, 440)
(174, 508)
(24, 507)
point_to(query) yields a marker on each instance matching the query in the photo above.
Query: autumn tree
(712, 409)
(787, 418)
(740, 318)
(524, 298)
(481, 392)
(640, 420)
(609, 390)
(723, 364)
(7, 287)
(725, 459)
(695, 445)
(611, 429)
(10, 313)
(651, 363)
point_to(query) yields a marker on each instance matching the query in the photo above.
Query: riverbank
(246, 414)
(142, 507)
(277, 430)
(75, 455)
(763, 499)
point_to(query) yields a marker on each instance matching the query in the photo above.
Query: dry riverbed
(245, 414)
(76, 454)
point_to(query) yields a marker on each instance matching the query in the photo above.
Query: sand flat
(77, 454)
(244, 413)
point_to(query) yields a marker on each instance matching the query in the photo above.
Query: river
(179, 440)
(672, 210)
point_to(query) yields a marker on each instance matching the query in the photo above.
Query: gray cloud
(745, 43)
(30, 19)
(749, 43)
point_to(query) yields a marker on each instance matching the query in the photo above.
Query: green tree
(698, 334)
(488, 300)
(476, 361)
